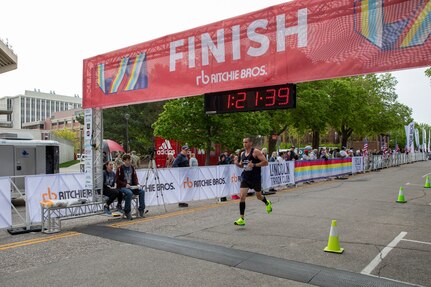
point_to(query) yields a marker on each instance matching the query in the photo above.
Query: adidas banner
(293, 42)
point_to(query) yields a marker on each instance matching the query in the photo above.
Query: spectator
(134, 159)
(305, 155)
(110, 188)
(170, 160)
(228, 158)
(127, 182)
(343, 152)
(222, 159)
(265, 152)
(118, 161)
(273, 157)
(313, 154)
(182, 161)
(280, 157)
(193, 160)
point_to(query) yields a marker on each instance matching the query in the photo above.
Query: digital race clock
(253, 99)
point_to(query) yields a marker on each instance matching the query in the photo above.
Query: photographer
(182, 161)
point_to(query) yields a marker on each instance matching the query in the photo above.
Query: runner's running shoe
(240, 222)
(269, 207)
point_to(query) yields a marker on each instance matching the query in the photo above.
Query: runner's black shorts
(251, 184)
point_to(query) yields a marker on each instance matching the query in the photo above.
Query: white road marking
(426, 174)
(382, 254)
(393, 280)
(415, 241)
(408, 183)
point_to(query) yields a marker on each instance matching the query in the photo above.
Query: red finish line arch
(289, 43)
(294, 42)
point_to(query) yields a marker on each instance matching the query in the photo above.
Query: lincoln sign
(289, 43)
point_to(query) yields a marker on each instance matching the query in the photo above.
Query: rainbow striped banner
(128, 74)
(315, 169)
(387, 29)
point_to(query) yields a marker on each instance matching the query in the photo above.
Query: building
(8, 62)
(30, 110)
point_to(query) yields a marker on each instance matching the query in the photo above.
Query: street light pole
(127, 117)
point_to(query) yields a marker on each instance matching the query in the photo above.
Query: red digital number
(241, 99)
(271, 97)
(228, 101)
(283, 93)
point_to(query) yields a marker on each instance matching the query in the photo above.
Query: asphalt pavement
(385, 243)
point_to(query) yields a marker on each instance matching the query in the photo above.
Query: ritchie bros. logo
(203, 182)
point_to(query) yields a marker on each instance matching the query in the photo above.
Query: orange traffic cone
(401, 198)
(333, 244)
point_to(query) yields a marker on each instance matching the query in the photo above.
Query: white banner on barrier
(278, 174)
(164, 190)
(357, 164)
(232, 175)
(53, 187)
(5, 203)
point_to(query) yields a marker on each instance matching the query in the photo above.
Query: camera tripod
(152, 169)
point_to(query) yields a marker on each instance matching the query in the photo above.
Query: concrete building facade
(29, 111)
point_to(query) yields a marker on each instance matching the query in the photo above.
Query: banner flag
(409, 137)
(424, 139)
(293, 42)
(5, 203)
(417, 139)
(429, 140)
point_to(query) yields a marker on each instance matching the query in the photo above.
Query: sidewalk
(71, 169)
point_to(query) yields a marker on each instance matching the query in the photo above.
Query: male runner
(251, 159)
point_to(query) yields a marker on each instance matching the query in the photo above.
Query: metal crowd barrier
(51, 217)
(377, 162)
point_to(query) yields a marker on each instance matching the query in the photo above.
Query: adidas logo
(165, 148)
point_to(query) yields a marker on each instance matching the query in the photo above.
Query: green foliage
(428, 72)
(366, 105)
(66, 134)
(140, 130)
(185, 120)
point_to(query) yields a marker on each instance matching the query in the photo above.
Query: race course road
(385, 243)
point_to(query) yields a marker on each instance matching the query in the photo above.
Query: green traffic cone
(427, 182)
(401, 198)
(333, 244)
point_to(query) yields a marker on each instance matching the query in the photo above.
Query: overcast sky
(51, 39)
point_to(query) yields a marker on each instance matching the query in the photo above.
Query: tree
(140, 131)
(366, 105)
(428, 72)
(184, 120)
(312, 109)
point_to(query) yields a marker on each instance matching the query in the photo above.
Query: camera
(151, 152)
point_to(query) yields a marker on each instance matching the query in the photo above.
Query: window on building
(38, 116)
(22, 110)
(27, 110)
(43, 109)
(33, 110)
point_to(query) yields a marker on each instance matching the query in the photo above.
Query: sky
(52, 38)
